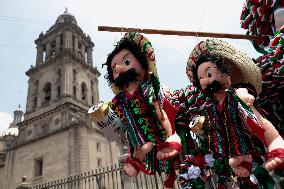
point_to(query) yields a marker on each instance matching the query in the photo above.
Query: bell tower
(64, 70)
(56, 138)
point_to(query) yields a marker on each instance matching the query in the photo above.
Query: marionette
(216, 68)
(140, 104)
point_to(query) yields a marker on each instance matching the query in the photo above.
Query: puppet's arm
(266, 132)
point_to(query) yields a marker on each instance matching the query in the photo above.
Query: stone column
(83, 52)
(90, 56)
(67, 40)
(24, 184)
(39, 55)
(47, 51)
(57, 44)
(76, 45)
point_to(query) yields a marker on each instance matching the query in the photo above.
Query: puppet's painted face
(126, 69)
(210, 76)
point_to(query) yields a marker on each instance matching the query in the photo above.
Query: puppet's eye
(209, 74)
(127, 62)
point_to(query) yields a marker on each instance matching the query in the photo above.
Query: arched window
(74, 91)
(58, 73)
(44, 57)
(86, 56)
(74, 75)
(92, 99)
(84, 91)
(35, 103)
(53, 53)
(61, 39)
(80, 54)
(58, 91)
(92, 85)
(47, 92)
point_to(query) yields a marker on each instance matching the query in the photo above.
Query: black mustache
(124, 79)
(213, 87)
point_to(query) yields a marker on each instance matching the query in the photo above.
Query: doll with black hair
(140, 104)
(226, 133)
(232, 114)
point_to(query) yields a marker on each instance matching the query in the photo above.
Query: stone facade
(56, 138)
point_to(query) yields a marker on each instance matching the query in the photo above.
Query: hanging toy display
(140, 104)
(217, 68)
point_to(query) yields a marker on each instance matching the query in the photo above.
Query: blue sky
(22, 21)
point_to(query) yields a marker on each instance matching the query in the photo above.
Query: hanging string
(201, 20)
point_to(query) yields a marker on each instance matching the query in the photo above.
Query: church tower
(64, 70)
(56, 138)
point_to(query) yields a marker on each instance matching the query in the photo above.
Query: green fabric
(263, 177)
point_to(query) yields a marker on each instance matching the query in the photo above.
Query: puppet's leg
(131, 167)
(134, 165)
(241, 165)
(172, 146)
(267, 133)
(171, 177)
(274, 143)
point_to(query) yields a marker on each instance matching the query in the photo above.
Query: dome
(66, 17)
(11, 131)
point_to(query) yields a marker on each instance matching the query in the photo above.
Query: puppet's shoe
(169, 182)
(275, 160)
(170, 148)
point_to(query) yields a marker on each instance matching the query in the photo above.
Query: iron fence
(105, 178)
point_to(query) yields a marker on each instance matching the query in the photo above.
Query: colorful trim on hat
(146, 48)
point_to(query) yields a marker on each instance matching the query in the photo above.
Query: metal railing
(105, 178)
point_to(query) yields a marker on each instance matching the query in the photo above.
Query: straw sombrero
(243, 68)
(147, 49)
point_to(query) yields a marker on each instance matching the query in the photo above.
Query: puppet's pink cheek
(203, 83)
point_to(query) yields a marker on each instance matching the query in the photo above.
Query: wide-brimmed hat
(147, 49)
(243, 69)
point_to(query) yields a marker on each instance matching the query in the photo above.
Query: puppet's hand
(247, 98)
(241, 165)
(166, 91)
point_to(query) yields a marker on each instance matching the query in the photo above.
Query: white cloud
(5, 120)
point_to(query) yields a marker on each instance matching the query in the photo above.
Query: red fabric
(199, 161)
(245, 164)
(138, 166)
(279, 152)
(256, 129)
(169, 183)
(171, 112)
(133, 163)
(172, 145)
